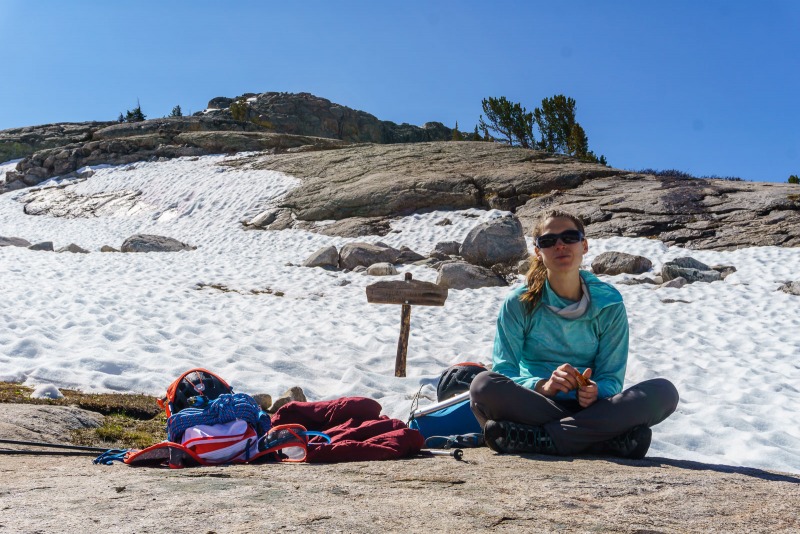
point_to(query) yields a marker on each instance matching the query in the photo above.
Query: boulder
(153, 243)
(106, 248)
(292, 394)
(724, 270)
(792, 288)
(381, 269)
(687, 262)
(51, 424)
(675, 282)
(326, 257)
(462, 275)
(265, 218)
(14, 242)
(670, 271)
(450, 248)
(44, 245)
(365, 254)
(72, 247)
(497, 241)
(264, 400)
(612, 263)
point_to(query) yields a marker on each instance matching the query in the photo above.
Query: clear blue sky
(706, 87)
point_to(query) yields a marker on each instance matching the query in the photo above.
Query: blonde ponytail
(535, 279)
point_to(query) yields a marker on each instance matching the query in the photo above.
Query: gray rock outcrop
(497, 241)
(612, 263)
(391, 180)
(307, 114)
(694, 213)
(365, 254)
(164, 138)
(462, 275)
(153, 243)
(16, 143)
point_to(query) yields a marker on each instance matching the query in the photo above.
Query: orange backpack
(195, 388)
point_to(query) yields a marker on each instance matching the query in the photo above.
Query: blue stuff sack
(448, 418)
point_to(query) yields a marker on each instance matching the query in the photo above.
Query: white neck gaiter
(575, 310)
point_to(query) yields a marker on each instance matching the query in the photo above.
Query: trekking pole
(57, 453)
(53, 445)
(458, 454)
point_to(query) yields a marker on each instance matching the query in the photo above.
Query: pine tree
(476, 135)
(176, 112)
(510, 120)
(121, 117)
(794, 179)
(456, 134)
(577, 142)
(555, 120)
(135, 114)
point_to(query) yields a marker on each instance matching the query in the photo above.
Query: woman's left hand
(587, 395)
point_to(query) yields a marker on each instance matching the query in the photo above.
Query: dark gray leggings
(572, 428)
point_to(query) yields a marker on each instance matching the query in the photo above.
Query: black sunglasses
(569, 237)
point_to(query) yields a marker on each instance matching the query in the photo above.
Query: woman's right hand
(563, 379)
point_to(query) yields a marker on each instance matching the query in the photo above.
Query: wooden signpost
(406, 292)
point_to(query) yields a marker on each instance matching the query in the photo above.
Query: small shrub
(239, 109)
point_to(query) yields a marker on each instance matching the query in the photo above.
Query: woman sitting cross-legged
(562, 322)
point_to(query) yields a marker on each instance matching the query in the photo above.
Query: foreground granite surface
(431, 494)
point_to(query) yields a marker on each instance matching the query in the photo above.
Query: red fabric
(358, 432)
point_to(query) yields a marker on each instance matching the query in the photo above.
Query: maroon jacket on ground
(358, 432)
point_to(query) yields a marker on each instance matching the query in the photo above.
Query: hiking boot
(633, 444)
(508, 437)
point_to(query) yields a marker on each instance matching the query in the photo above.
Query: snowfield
(133, 322)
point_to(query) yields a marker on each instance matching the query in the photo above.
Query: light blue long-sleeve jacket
(528, 347)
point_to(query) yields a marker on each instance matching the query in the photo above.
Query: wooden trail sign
(406, 292)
